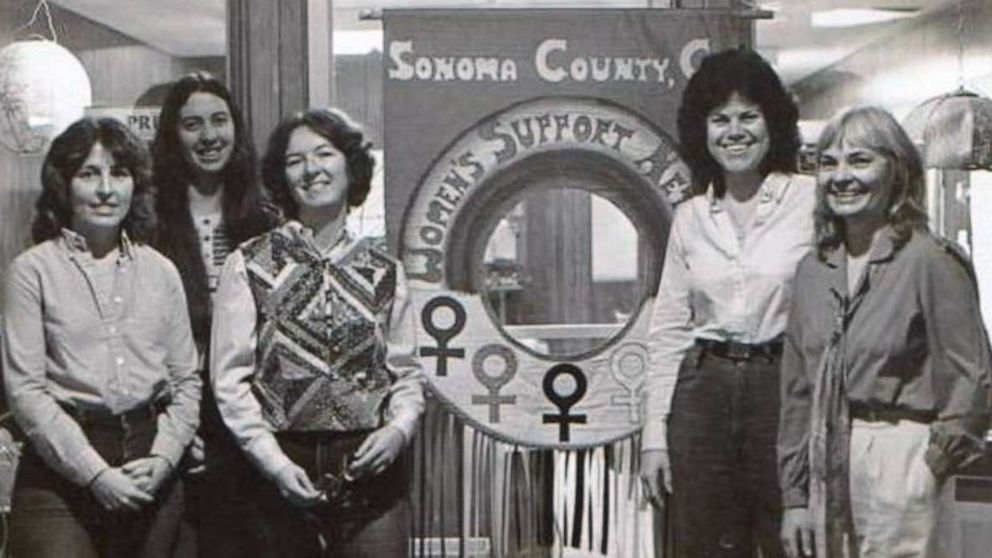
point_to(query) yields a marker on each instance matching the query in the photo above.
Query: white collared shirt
(718, 285)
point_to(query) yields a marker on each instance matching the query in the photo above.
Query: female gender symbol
(628, 365)
(564, 402)
(494, 383)
(442, 336)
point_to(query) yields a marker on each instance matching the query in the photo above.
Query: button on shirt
(915, 344)
(105, 335)
(214, 246)
(717, 284)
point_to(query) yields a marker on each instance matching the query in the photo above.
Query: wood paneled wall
(267, 65)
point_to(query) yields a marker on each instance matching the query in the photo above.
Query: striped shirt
(214, 245)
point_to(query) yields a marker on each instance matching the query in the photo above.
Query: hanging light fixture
(43, 89)
(954, 130)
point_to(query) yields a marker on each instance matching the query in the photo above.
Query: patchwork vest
(320, 354)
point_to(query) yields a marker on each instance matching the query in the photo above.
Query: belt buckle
(738, 351)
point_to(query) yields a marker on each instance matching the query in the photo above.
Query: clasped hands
(132, 485)
(376, 452)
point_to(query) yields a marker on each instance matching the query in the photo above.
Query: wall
(916, 61)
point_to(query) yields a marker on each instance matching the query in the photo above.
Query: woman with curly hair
(726, 286)
(885, 376)
(208, 201)
(98, 358)
(313, 360)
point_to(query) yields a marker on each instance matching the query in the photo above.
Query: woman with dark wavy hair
(885, 376)
(208, 201)
(314, 355)
(712, 389)
(98, 358)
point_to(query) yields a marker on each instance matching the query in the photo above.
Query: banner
(521, 145)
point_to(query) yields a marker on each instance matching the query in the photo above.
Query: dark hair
(67, 154)
(243, 203)
(878, 130)
(344, 135)
(720, 75)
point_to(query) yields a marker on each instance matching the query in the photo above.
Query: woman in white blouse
(313, 361)
(710, 431)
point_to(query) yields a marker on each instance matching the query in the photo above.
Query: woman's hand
(797, 533)
(295, 486)
(117, 491)
(377, 452)
(196, 457)
(148, 473)
(656, 475)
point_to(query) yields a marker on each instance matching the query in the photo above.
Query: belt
(103, 417)
(732, 350)
(869, 413)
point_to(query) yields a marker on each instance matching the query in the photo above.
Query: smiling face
(206, 132)
(100, 193)
(737, 135)
(855, 180)
(316, 171)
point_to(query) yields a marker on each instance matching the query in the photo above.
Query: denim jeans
(366, 518)
(54, 518)
(722, 432)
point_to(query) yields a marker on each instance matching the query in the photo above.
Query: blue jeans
(368, 518)
(54, 518)
(722, 433)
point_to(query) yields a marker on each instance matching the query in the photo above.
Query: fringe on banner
(475, 496)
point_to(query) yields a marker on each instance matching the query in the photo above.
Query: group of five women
(818, 361)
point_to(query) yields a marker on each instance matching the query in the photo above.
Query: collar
(882, 250)
(304, 236)
(76, 244)
(772, 189)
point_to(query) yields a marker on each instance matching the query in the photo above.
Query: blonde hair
(875, 128)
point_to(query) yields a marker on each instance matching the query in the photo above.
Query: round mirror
(561, 271)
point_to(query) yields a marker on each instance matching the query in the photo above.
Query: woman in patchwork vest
(313, 354)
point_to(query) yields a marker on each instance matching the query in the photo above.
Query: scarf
(830, 441)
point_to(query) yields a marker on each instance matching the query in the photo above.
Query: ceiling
(196, 27)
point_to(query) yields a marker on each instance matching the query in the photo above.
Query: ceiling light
(852, 17)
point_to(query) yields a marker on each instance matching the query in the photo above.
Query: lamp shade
(43, 89)
(954, 130)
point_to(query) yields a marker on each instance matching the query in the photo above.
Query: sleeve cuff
(939, 462)
(654, 436)
(268, 456)
(407, 425)
(88, 465)
(168, 448)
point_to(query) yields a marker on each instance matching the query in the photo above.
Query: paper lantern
(954, 130)
(43, 89)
